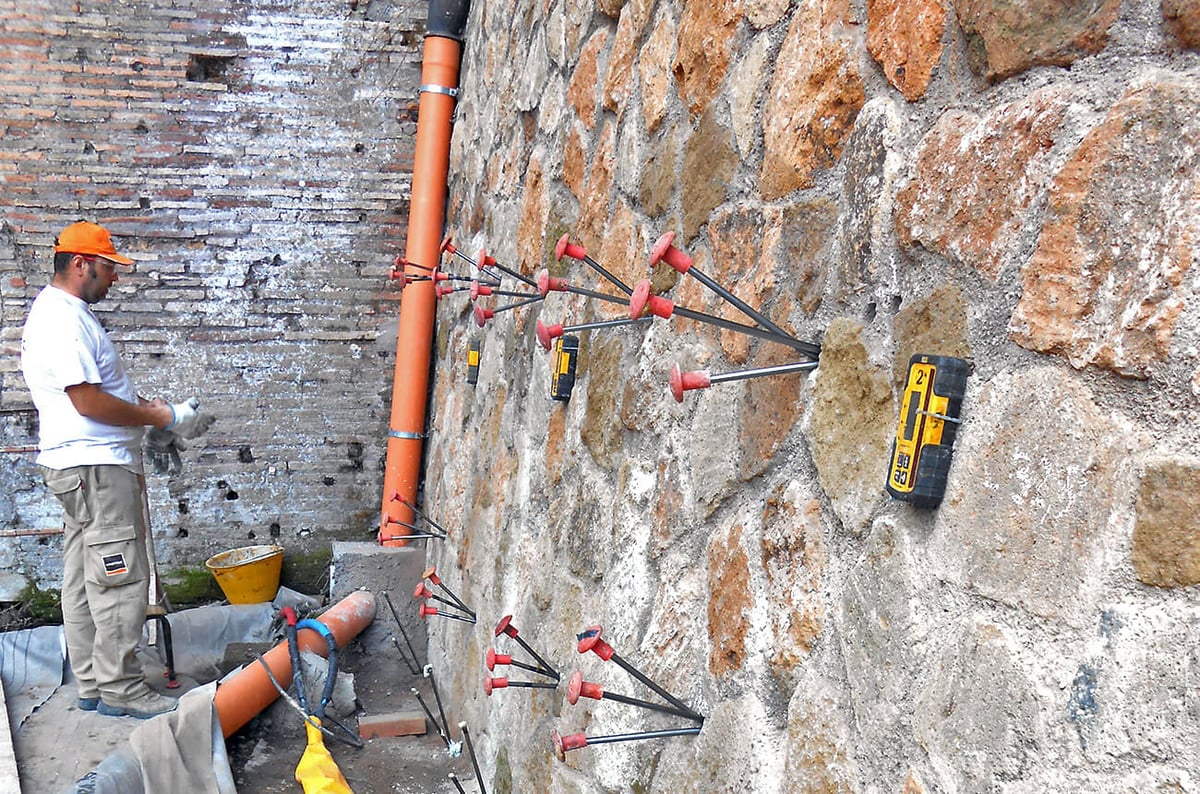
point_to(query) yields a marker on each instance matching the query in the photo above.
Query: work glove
(162, 451)
(188, 421)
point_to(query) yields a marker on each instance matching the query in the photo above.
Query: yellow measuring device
(929, 419)
(562, 378)
(474, 346)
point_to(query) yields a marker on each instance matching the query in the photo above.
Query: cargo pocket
(113, 556)
(67, 486)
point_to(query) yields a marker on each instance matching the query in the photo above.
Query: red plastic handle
(478, 289)
(447, 246)
(546, 283)
(442, 290)
(577, 688)
(490, 683)
(686, 381)
(437, 275)
(289, 615)
(546, 334)
(639, 298)
(661, 307)
(429, 573)
(571, 741)
(422, 591)
(590, 640)
(426, 610)
(482, 315)
(492, 659)
(566, 248)
(505, 626)
(664, 251)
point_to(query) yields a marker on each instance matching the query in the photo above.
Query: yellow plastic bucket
(249, 575)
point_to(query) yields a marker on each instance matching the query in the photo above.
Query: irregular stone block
(531, 241)
(1105, 285)
(769, 410)
(654, 66)
(978, 714)
(618, 81)
(935, 324)
(877, 628)
(795, 558)
(706, 33)
(1038, 474)
(1006, 37)
(803, 236)
(658, 174)
(819, 741)
(709, 163)
(866, 229)
(1166, 532)
(729, 601)
(584, 81)
(975, 180)
(905, 37)
(1183, 20)
(853, 421)
(814, 99)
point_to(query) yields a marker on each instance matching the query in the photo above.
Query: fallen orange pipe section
(250, 691)
(426, 219)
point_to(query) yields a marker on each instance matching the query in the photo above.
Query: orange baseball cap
(89, 239)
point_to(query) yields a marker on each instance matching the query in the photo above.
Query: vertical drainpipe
(426, 219)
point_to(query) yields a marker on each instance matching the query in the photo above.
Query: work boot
(143, 707)
(88, 703)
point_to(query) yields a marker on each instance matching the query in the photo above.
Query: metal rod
(512, 273)
(589, 293)
(440, 614)
(780, 369)
(457, 785)
(516, 305)
(462, 726)
(417, 510)
(546, 665)
(808, 348)
(432, 718)
(437, 696)
(646, 704)
(568, 329)
(630, 737)
(674, 701)
(416, 665)
(579, 252)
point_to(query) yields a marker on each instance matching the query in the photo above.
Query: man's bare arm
(100, 406)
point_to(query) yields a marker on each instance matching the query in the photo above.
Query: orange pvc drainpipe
(426, 221)
(250, 691)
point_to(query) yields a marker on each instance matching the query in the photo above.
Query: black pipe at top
(447, 18)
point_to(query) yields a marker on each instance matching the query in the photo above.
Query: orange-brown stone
(815, 96)
(575, 159)
(532, 225)
(1183, 20)
(905, 36)
(975, 180)
(593, 212)
(1006, 37)
(706, 34)
(618, 82)
(729, 602)
(582, 91)
(654, 65)
(1105, 285)
(795, 557)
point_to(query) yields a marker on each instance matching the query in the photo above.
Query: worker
(91, 422)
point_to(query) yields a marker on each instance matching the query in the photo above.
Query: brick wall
(254, 157)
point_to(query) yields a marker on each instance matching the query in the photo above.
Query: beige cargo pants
(105, 577)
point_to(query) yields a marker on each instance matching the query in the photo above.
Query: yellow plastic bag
(317, 772)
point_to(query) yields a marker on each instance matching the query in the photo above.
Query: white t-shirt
(64, 345)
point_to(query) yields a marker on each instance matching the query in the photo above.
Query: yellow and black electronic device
(562, 378)
(473, 348)
(929, 419)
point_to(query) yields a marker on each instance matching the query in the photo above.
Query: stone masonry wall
(1013, 182)
(255, 158)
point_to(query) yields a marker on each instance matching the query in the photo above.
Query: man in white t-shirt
(91, 423)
